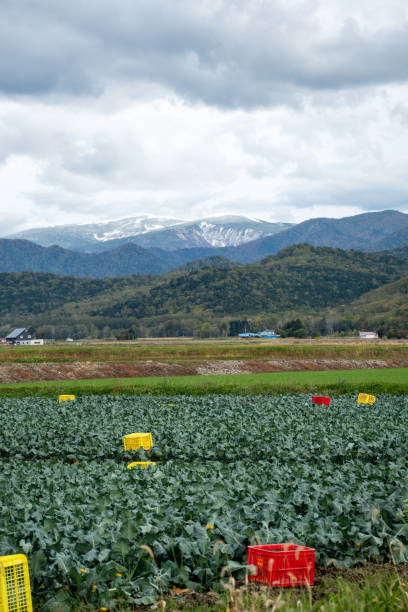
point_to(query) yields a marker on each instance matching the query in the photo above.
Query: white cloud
(19, 177)
(280, 110)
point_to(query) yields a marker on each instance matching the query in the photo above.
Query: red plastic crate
(282, 564)
(321, 399)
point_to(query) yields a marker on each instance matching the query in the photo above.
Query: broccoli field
(230, 471)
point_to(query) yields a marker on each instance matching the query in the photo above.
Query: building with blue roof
(20, 334)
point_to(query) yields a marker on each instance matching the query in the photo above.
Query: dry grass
(182, 350)
(372, 587)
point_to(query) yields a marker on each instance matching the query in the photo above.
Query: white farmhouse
(21, 336)
(367, 335)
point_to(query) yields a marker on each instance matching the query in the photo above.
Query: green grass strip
(337, 382)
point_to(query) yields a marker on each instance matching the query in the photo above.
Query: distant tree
(223, 329)
(295, 329)
(205, 330)
(238, 327)
(106, 332)
(127, 334)
(397, 333)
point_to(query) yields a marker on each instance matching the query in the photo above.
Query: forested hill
(300, 276)
(301, 279)
(25, 256)
(386, 306)
(31, 293)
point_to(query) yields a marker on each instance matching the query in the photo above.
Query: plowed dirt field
(25, 372)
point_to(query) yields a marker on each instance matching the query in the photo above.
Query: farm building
(366, 335)
(23, 336)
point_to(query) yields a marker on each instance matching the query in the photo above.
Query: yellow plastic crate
(15, 591)
(66, 398)
(364, 398)
(141, 464)
(134, 441)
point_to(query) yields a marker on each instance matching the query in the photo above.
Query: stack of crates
(134, 441)
(15, 592)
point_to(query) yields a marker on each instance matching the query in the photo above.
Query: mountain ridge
(166, 233)
(386, 229)
(25, 256)
(362, 232)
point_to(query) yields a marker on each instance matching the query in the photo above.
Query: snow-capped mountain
(229, 230)
(124, 228)
(163, 232)
(90, 237)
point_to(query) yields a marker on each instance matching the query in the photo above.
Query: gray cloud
(281, 109)
(221, 52)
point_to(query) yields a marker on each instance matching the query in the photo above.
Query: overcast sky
(280, 109)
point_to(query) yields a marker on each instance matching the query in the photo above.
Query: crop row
(228, 469)
(225, 428)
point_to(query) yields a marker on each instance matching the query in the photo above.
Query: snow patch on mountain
(124, 228)
(220, 236)
(148, 231)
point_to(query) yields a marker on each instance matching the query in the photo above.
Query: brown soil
(24, 372)
(295, 365)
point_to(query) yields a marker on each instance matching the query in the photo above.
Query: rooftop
(16, 332)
